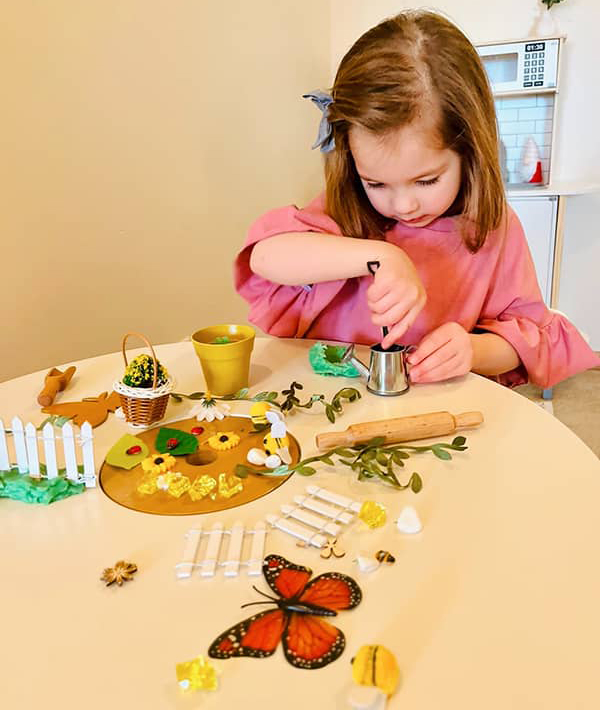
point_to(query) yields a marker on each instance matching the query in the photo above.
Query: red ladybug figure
(197, 430)
(172, 443)
(132, 450)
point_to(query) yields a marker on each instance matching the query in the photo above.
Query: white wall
(577, 153)
(139, 140)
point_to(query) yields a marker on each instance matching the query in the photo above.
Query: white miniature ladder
(209, 560)
(319, 514)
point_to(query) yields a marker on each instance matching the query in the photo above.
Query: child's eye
(374, 185)
(428, 182)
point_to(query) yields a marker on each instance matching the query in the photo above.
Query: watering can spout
(349, 356)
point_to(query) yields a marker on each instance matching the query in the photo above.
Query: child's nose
(405, 203)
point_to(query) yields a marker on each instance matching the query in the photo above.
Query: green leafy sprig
(549, 3)
(290, 399)
(372, 459)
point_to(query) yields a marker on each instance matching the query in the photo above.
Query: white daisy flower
(210, 409)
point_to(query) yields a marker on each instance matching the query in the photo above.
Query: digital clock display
(535, 47)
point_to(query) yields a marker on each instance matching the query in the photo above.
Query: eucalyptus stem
(372, 459)
(290, 399)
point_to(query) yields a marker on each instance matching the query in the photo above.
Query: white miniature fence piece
(26, 450)
(321, 512)
(209, 560)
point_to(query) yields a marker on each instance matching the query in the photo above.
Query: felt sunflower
(159, 463)
(223, 440)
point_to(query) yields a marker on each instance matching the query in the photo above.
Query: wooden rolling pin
(420, 426)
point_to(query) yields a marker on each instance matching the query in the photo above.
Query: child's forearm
(492, 354)
(301, 258)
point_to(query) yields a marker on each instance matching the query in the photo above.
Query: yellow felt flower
(159, 463)
(223, 440)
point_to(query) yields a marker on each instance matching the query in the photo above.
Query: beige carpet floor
(576, 402)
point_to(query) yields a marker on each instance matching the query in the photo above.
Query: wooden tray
(121, 485)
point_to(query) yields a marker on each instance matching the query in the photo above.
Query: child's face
(406, 177)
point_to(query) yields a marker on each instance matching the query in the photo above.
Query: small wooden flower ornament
(121, 572)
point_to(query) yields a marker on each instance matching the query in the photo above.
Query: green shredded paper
(327, 360)
(20, 486)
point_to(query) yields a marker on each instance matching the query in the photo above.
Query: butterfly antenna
(271, 599)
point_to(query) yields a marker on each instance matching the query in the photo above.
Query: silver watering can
(387, 373)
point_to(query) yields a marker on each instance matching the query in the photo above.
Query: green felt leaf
(187, 442)
(119, 457)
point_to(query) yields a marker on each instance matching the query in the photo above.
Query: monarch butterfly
(308, 641)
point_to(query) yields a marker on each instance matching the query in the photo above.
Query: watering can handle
(372, 266)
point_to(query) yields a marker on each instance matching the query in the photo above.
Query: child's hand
(444, 353)
(396, 296)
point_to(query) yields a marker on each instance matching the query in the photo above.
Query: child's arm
(396, 296)
(308, 258)
(492, 354)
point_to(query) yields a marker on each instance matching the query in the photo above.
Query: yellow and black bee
(258, 414)
(278, 446)
(376, 666)
(385, 556)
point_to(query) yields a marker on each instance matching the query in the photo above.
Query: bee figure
(258, 413)
(385, 556)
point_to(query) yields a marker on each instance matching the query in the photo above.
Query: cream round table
(493, 605)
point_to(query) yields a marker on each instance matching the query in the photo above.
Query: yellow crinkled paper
(147, 485)
(202, 486)
(229, 486)
(197, 674)
(373, 514)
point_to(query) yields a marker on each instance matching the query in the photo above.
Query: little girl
(412, 182)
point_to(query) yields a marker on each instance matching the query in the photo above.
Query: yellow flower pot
(226, 365)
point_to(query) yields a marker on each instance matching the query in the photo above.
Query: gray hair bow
(325, 140)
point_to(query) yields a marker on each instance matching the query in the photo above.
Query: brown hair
(393, 74)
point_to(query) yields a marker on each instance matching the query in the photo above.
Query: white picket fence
(25, 444)
(207, 557)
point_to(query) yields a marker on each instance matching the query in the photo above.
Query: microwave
(524, 65)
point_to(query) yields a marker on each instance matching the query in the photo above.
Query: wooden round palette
(121, 485)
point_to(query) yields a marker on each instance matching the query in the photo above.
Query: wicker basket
(143, 406)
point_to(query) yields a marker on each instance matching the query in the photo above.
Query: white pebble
(272, 461)
(366, 564)
(408, 521)
(256, 456)
(363, 697)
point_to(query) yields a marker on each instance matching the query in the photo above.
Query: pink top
(494, 290)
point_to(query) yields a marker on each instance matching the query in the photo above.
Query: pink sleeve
(286, 311)
(550, 347)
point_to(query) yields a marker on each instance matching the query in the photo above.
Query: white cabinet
(538, 215)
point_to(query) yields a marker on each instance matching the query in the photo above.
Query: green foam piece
(187, 442)
(119, 457)
(20, 486)
(327, 360)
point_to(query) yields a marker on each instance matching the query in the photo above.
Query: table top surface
(494, 604)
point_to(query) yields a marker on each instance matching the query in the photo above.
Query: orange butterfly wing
(257, 636)
(310, 642)
(332, 590)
